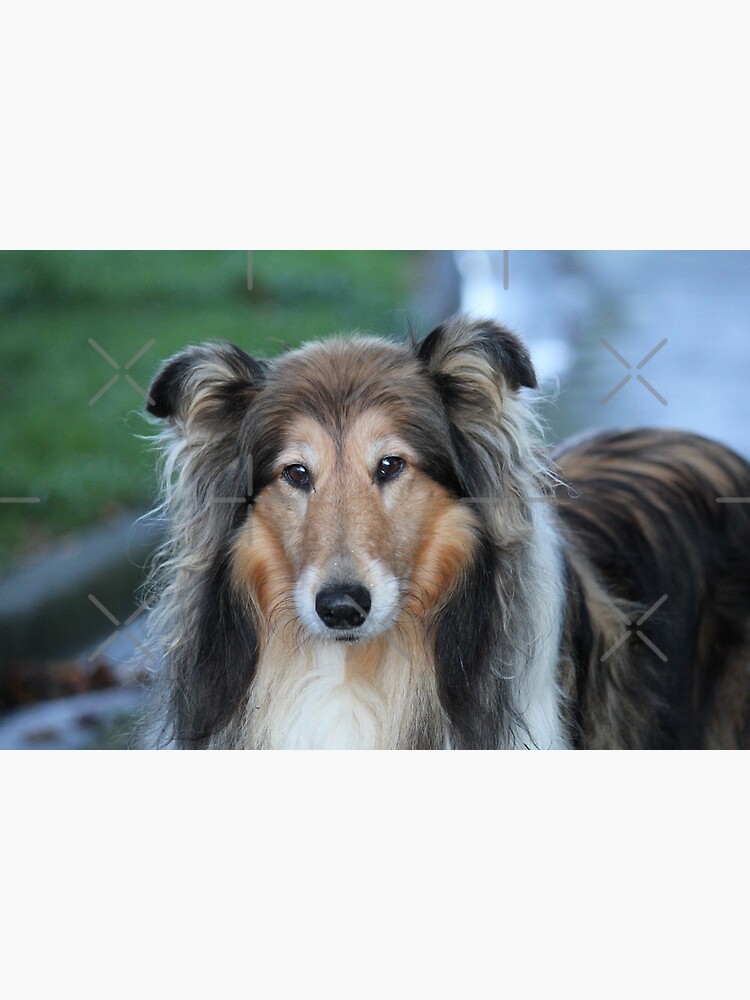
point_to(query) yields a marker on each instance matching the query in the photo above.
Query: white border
(160, 125)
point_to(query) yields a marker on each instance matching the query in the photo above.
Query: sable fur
(647, 518)
(500, 578)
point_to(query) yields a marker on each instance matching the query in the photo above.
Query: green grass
(86, 461)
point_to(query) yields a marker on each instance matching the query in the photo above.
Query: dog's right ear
(211, 380)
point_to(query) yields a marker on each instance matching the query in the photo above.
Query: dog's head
(343, 490)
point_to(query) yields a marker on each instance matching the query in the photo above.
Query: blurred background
(618, 338)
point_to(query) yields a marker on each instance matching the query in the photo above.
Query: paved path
(566, 303)
(96, 718)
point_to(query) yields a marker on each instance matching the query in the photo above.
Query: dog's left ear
(461, 354)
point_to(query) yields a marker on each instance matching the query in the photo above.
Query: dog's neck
(338, 695)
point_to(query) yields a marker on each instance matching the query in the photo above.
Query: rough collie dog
(370, 549)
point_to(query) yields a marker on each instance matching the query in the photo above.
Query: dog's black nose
(343, 607)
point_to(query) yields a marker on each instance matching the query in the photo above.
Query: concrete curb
(45, 610)
(68, 723)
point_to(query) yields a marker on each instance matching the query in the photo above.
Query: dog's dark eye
(297, 475)
(389, 467)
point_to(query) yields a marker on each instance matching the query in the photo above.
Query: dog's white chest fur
(322, 711)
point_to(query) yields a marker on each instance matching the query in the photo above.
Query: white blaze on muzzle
(333, 604)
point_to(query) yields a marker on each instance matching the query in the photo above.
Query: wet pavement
(94, 719)
(626, 339)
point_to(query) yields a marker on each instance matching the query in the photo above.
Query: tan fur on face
(421, 534)
(446, 545)
(263, 573)
(418, 533)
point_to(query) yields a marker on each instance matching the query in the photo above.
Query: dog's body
(369, 550)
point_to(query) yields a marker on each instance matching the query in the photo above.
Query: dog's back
(657, 516)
